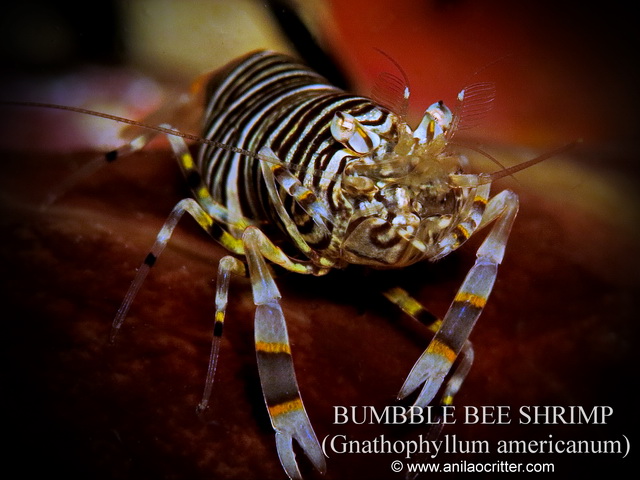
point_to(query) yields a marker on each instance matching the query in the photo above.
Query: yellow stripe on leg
(410, 306)
(447, 400)
(273, 347)
(471, 298)
(403, 300)
(187, 161)
(463, 231)
(480, 200)
(285, 407)
(440, 348)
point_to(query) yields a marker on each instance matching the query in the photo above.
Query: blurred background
(563, 70)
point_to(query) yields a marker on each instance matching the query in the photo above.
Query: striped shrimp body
(288, 159)
(345, 181)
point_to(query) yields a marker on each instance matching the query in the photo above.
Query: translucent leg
(187, 205)
(301, 194)
(205, 211)
(227, 266)
(201, 193)
(434, 364)
(275, 173)
(94, 165)
(414, 309)
(184, 109)
(275, 364)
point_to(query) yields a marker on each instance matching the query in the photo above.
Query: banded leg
(208, 213)
(275, 173)
(434, 364)
(95, 164)
(415, 310)
(181, 108)
(228, 265)
(276, 170)
(201, 193)
(275, 364)
(187, 205)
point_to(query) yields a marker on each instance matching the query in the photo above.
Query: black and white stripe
(268, 99)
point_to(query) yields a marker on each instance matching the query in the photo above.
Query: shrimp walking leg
(435, 363)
